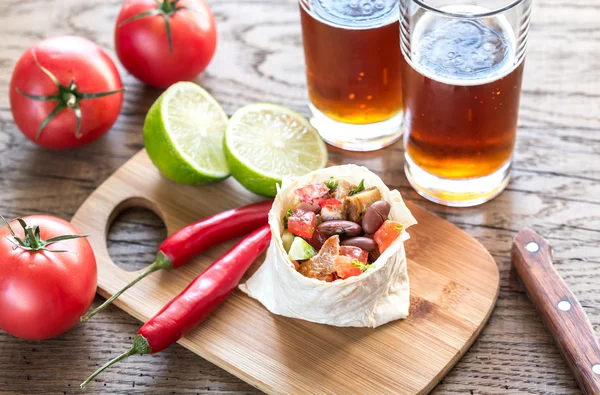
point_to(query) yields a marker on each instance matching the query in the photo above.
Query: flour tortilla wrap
(377, 296)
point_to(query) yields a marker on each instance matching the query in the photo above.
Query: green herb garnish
(399, 228)
(361, 265)
(288, 214)
(331, 184)
(358, 189)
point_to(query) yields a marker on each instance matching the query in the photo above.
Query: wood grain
(559, 308)
(555, 189)
(454, 286)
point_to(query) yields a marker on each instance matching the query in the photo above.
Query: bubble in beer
(358, 13)
(461, 49)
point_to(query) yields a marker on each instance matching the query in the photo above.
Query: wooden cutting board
(454, 286)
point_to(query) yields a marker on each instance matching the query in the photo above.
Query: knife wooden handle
(561, 312)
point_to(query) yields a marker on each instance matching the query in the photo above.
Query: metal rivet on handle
(596, 369)
(532, 247)
(563, 305)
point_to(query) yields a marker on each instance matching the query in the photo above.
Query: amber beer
(462, 88)
(353, 63)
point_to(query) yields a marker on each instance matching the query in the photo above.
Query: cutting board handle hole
(134, 233)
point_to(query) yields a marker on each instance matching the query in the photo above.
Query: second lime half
(265, 142)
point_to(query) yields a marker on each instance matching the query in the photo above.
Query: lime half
(183, 134)
(264, 143)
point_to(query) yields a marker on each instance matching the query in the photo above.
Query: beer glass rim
(485, 14)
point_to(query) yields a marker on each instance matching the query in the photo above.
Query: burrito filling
(335, 229)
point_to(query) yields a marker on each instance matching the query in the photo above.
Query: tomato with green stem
(47, 276)
(164, 42)
(65, 92)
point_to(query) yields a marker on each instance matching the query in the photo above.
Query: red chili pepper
(188, 309)
(193, 239)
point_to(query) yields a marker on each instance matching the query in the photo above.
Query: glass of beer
(353, 67)
(461, 86)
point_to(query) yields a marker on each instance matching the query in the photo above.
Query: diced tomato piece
(312, 192)
(330, 203)
(355, 253)
(302, 223)
(344, 268)
(386, 234)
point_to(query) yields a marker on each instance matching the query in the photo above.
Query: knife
(562, 314)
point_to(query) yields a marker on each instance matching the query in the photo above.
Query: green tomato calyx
(33, 241)
(67, 96)
(166, 9)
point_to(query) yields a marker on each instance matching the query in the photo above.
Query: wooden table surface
(555, 189)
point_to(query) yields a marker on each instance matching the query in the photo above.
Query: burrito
(337, 250)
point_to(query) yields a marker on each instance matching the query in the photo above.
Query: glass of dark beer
(353, 66)
(461, 86)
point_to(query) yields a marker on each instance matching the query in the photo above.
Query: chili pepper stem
(140, 346)
(161, 262)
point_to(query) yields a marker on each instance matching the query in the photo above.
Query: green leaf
(99, 94)
(12, 233)
(331, 184)
(287, 216)
(358, 189)
(141, 15)
(23, 223)
(169, 35)
(41, 98)
(45, 70)
(65, 237)
(59, 107)
(11, 239)
(361, 265)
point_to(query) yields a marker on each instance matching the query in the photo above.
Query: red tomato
(142, 44)
(69, 59)
(386, 234)
(312, 192)
(344, 267)
(302, 223)
(330, 203)
(355, 253)
(43, 293)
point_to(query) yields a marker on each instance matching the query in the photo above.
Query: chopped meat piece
(356, 206)
(321, 265)
(332, 209)
(342, 189)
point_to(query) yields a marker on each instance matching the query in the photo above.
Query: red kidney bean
(317, 240)
(340, 227)
(375, 216)
(361, 242)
